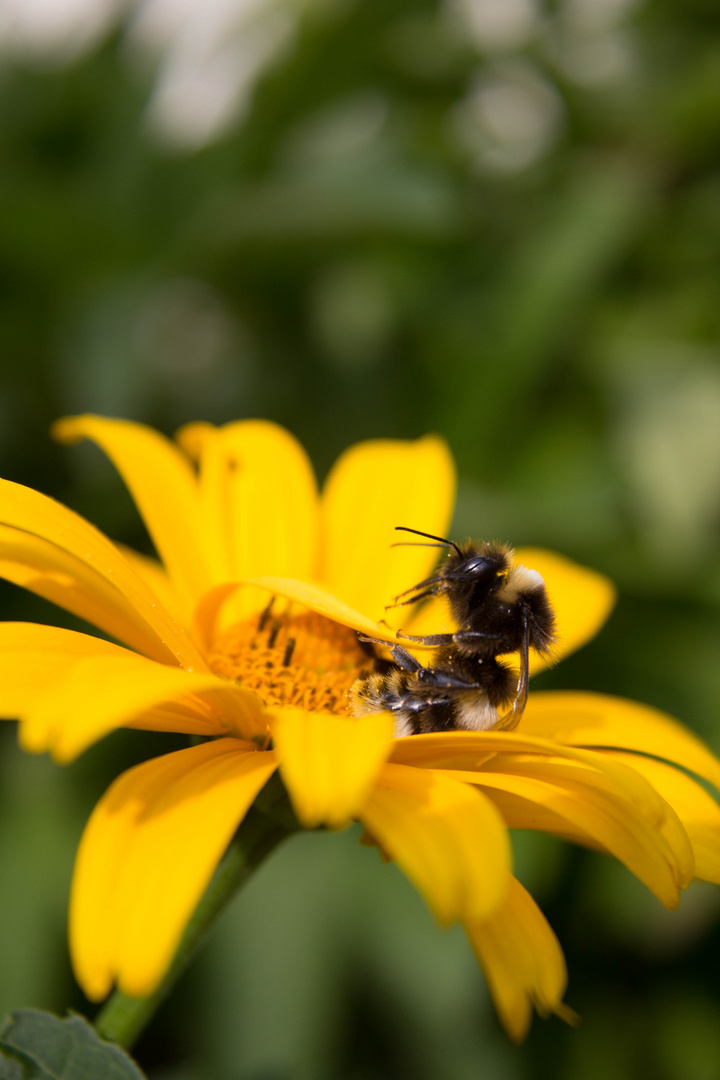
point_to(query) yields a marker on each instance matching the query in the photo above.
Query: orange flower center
(304, 660)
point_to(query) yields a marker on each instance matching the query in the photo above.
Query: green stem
(123, 1018)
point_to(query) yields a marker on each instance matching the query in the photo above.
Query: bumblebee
(499, 608)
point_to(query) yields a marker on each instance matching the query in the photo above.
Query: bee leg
(377, 641)
(511, 719)
(448, 639)
(405, 660)
(412, 600)
(435, 677)
(461, 636)
(427, 639)
(441, 679)
(420, 585)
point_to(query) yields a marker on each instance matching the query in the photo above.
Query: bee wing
(511, 719)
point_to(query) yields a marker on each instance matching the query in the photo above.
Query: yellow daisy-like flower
(236, 517)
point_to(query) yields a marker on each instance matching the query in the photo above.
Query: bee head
(471, 574)
(478, 563)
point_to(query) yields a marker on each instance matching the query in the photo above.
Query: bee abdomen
(376, 693)
(386, 693)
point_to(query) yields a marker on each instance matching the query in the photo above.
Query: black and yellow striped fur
(498, 608)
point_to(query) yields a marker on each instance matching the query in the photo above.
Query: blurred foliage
(35, 1045)
(507, 231)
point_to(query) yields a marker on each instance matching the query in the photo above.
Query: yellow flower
(267, 686)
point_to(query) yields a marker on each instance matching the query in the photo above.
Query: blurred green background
(495, 219)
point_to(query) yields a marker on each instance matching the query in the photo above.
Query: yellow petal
(602, 772)
(698, 811)
(322, 602)
(610, 822)
(26, 636)
(69, 582)
(446, 836)
(474, 756)
(522, 961)
(27, 510)
(471, 749)
(101, 693)
(519, 813)
(35, 661)
(617, 777)
(599, 720)
(329, 763)
(259, 504)
(203, 444)
(190, 715)
(373, 487)
(156, 578)
(147, 855)
(541, 759)
(94, 920)
(205, 616)
(163, 485)
(581, 598)
(33, 657)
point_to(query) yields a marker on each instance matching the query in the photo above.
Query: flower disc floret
(305, 660)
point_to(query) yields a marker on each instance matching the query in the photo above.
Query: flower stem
(123, 1018)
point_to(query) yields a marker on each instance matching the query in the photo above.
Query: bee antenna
(429, 536)
(413, 543)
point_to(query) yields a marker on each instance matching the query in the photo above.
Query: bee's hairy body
(498, 608)
(489, 599)
(425, 699)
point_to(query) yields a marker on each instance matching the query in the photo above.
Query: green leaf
(36, 1045)
(13, 1070)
